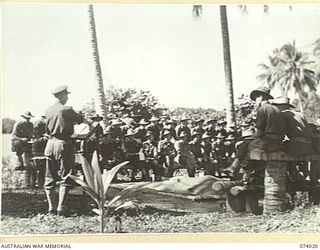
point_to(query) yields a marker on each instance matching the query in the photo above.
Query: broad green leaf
(88, 172)
(108, 176)
(97, 174)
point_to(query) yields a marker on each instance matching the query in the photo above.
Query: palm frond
(197, 11)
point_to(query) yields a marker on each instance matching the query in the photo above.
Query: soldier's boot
(63, 194)
(50, 193)
(233, 169)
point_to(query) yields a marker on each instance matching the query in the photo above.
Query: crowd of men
(160, 144)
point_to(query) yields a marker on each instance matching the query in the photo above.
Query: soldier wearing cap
(22, 133)
(184, 155)
(60, 121)
(154, 127)
(183, 127)
(167, 153)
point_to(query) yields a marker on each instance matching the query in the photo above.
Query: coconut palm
(197, 11)
(316, 53)
(290, 69)
(101, 104)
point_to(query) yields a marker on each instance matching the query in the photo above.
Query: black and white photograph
(160, 119)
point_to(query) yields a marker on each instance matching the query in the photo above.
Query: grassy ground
(24, 212)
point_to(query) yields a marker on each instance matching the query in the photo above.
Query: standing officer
(60, 121)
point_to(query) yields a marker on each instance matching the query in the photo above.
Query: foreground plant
(96, 185)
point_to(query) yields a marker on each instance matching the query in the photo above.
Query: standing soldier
(115, 129)
(183, 127)
(167, 153)
(60, 121)
(184, 155)
(154, 127)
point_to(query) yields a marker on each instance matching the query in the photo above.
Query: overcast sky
(160, 48)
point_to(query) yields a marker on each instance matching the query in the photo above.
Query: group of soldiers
(158, 144)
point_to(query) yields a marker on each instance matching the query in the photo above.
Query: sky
(160, 48)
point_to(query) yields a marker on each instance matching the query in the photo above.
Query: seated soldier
(206, 151)
(184, 155)
(151, 154)
(195, 148)
(131, 149)
(219, 153)
(241, 152)
(230, 149)
(108, 151)
(166, 153)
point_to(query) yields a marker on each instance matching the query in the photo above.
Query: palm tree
(316, 53)
(290, 70)
(230, 112)
(101, 104)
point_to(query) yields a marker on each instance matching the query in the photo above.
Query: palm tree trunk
(100, 100)
(227, 64)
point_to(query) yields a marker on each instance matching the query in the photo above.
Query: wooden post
(275, 187)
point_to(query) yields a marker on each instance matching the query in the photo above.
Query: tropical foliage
(96, 185)
(291, 70)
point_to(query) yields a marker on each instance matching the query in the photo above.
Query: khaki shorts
(61, 163)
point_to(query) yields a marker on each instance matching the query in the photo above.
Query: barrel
(275, 187)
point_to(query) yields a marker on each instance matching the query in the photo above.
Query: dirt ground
(24, 212)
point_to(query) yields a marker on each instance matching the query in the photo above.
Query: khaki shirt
(296, 125)
(60, 120)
